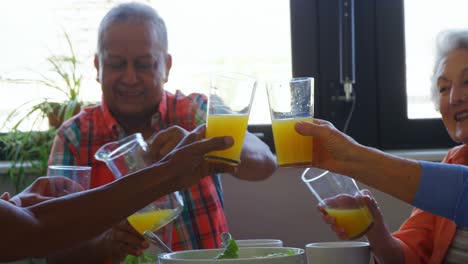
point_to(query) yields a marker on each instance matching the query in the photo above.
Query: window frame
(392, 87)
(379, 118)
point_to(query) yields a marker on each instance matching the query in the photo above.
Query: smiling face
(132, 69)
(452, 84)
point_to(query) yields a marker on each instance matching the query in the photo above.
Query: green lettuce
(231, 251)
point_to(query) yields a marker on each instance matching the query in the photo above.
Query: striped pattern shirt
(203, 220)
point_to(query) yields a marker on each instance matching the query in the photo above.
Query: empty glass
(78, 174)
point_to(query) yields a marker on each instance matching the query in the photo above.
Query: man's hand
(163, 142)
(42, 189)
(123, 240)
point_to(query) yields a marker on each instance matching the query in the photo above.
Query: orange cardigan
(424, 237)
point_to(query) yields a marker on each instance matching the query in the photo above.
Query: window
(387, 112)
(419, 42)
(251, 37)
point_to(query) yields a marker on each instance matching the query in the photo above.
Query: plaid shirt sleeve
(200, 109)
(63, 151)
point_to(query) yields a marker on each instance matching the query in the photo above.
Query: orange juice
(227, 125)
(292, 149)
(354, 221)
(151, 220)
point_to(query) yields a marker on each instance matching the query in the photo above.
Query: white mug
(350, 252)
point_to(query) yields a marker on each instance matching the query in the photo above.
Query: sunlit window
(423, 20)
(250, 37)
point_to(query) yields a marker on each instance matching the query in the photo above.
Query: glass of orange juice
(290, 101)
(229, 103)
(338, 194)
(125, 157)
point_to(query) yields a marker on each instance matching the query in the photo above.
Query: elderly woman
(425, 237)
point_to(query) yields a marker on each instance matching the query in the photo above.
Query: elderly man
(133, 63)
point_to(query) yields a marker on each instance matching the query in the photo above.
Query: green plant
(25, 146)
(68, 83)
(62, 76)
(28, 153)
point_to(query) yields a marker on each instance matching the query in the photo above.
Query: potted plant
(28, 153)
(28, 148)
(68, 83)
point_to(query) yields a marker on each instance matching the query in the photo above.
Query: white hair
(137, 13)
(446, 42)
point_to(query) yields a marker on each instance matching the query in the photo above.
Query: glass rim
(306, 180)
(289, 80)
(69, 167)
(127, 144)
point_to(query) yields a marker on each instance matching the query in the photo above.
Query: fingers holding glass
(339, 198)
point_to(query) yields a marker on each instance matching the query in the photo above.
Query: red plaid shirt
(202, 220)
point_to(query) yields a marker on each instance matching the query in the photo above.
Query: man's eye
(144, 66)
(117, 65)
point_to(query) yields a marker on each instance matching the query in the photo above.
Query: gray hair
(136, 13)
(446, 42)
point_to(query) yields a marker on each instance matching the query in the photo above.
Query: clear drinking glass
(78, 174)
(130, 155)
(290, 101)
(338, 194)
(229, 103)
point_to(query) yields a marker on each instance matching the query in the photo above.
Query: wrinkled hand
(165, 141)
(122, 240)
(348, 200)
(42, 189)
(332, 148)
(186, 161)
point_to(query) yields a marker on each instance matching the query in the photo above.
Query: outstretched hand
(42, 189)
(333, 150)
(187, 160)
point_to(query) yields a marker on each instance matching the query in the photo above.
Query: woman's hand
(350, 201)
(333, 150)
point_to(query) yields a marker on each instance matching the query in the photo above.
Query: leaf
(231, 251)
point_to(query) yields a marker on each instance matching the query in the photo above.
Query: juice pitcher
(130, 155)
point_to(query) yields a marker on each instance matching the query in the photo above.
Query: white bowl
(242, 243)
(246, 256)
